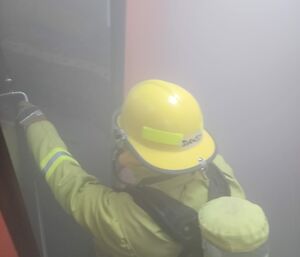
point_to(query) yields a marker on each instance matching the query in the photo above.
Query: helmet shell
(164, 125)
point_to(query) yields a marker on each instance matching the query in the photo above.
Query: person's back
(143, 234)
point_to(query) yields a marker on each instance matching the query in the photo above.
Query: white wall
(241, 60)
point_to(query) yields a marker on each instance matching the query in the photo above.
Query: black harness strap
(179, 221)
(218, 185)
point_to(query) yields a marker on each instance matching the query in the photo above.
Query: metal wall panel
(68, 57)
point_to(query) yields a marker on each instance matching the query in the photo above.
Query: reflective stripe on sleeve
(50, 155)
(54, 159)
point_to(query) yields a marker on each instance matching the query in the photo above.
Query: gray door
(68, 57)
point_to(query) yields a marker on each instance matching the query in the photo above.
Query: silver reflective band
(53, 159)
(35, 113)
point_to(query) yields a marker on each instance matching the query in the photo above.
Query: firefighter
(160, 143)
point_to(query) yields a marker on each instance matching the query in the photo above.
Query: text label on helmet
(191, 141)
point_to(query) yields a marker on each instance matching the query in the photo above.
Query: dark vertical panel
(13, 208)
(68, 57)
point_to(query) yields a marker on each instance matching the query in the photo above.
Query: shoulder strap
(218, 185)
(167, 212)
(179, 221)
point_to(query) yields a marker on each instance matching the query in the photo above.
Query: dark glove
(28, 114)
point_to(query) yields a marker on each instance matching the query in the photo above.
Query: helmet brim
(183, 160)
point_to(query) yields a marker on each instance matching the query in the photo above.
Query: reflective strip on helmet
(54, 159)
(163, 137)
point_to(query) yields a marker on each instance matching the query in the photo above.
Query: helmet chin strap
(117, 182)
(124, 176)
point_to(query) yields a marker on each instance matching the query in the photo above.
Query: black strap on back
(218, 185)
(179, 221)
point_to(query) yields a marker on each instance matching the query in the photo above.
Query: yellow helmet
(162, 125)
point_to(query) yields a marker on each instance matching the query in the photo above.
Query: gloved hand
(28, 114)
